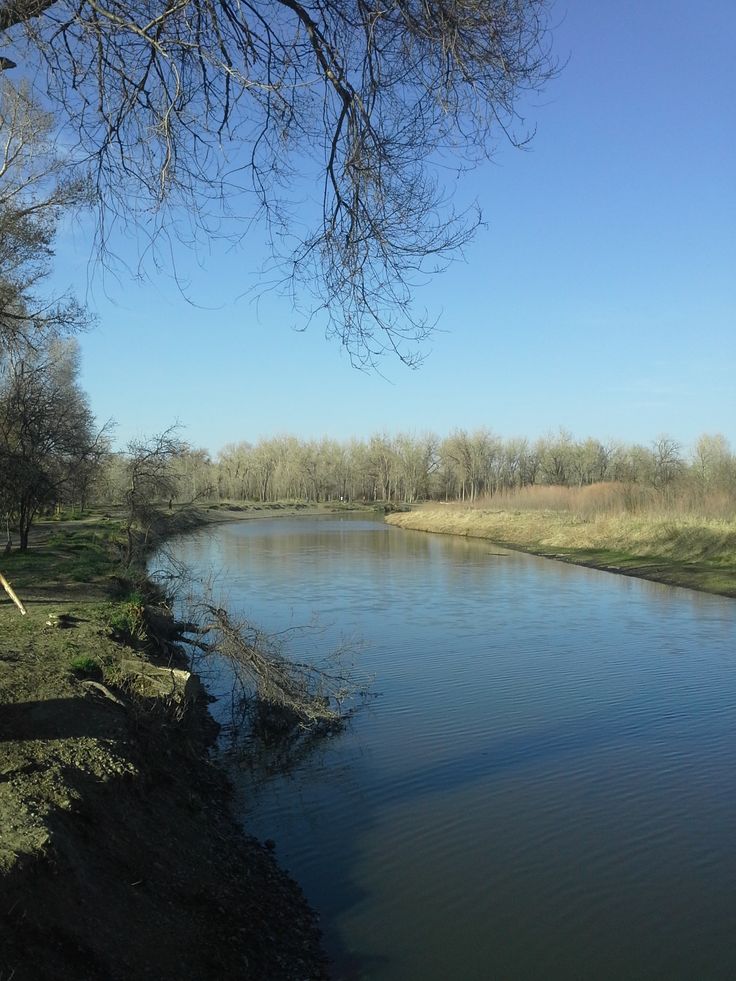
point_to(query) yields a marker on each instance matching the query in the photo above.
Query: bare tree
(189, 102)
(301, 693)
(152, 482)
(667, 462)
(713, 460)
(47, 433)
(417, 460)
(35, 190)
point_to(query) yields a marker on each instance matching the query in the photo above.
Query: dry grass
(613, 498)
(594, 526)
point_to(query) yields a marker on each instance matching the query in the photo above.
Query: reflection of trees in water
(343, 550)
(290, 537)
(267, 752)
(269, 739)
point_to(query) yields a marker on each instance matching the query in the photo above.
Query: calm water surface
(546, 786)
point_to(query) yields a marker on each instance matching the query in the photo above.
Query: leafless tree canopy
(151, 478)
(35, 189)
(188, 101)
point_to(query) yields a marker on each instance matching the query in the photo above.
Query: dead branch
(11, 593)
(96, 686)
(312, 696)
(205, 110)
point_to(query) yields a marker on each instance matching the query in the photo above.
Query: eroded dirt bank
(119, 857)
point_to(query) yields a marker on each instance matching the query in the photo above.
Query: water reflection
(548, 770)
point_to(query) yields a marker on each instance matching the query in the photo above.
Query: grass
(665, 544)
(82, 551)
(126, 619)
(71, 568)
(616, 498)
(86, 666)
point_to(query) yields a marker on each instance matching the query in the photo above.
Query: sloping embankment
(696, 553)
(119, 855)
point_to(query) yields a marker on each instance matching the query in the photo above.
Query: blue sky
(600, 296)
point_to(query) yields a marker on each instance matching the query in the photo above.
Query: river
(544, 786)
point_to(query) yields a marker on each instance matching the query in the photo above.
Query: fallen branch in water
(277, 695)
(296, 691)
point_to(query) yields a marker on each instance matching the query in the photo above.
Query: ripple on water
(544, 789)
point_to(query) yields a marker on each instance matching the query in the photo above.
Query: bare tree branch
(182, 108)
(35, 190)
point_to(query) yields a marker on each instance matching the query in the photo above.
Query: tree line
(403, 468)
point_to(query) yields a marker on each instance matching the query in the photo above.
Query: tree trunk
(129, 553)
(25, 517)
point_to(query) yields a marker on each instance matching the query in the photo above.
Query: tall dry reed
(614, 499)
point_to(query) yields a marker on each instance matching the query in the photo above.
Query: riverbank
(119, 855)
(680, 551)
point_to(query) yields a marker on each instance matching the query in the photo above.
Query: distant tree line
(403, 468)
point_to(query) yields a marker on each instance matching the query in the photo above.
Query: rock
(164, 682)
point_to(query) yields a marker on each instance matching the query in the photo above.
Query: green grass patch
(83, 553)
(126, 620)
(85, 666)
(67, 514)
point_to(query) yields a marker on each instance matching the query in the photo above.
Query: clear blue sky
(600, 297)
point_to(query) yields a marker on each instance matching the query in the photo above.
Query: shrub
(127, 621)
